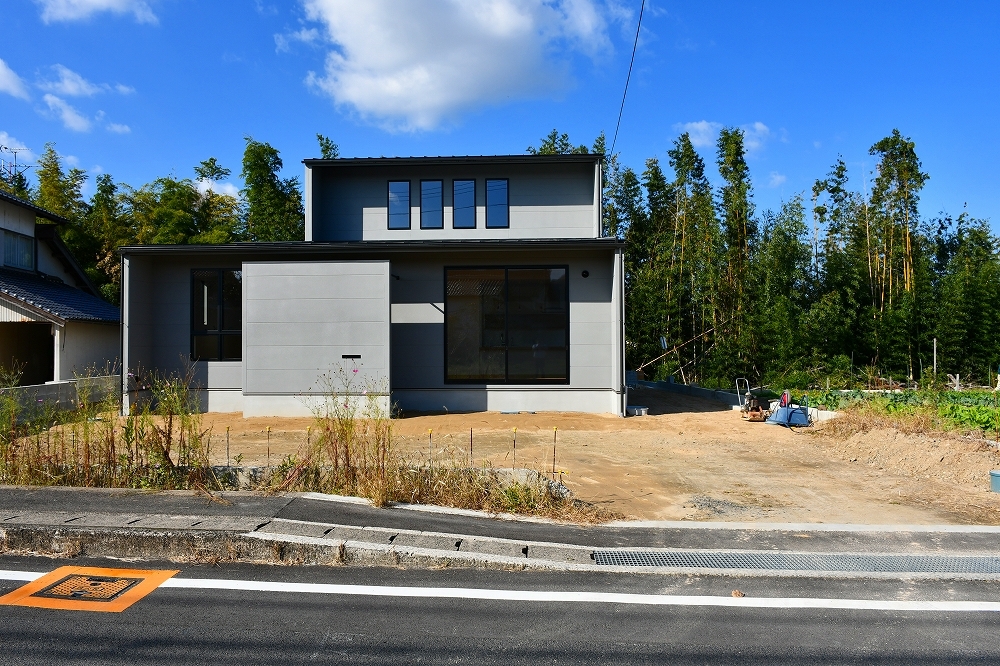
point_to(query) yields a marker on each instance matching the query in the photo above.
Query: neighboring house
(52, 323)
(460, 283)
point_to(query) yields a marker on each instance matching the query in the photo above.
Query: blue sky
(143, 88)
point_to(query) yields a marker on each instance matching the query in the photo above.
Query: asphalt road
(175, 625)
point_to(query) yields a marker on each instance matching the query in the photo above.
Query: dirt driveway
(692, 459)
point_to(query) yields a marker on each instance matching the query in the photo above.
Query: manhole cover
(88, 588)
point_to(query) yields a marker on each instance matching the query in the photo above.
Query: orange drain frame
(87, 588)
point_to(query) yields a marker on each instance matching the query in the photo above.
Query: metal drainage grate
(771, 561)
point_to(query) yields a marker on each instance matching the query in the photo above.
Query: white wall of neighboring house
(50, 265)
(16, 218)
(88, 349)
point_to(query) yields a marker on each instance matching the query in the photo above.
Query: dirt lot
(692, 459)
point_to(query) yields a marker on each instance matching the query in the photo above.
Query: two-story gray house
(460, 283)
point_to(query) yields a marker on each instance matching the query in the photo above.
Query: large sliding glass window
(497, 208)
(507, 325)
(216, 315)
(464, 204)
(431, 204)
(399, 204)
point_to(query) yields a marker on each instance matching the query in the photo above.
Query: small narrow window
(18, 250)
(497, 210)
(464, 204)
(216, 315)
(399, 204)
(431, 204)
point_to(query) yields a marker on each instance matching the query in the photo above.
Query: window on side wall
(497, 208)
(431, 204)
(216, 315)
(507, 325)
(464, 204)
(399, 204)
(18, 250)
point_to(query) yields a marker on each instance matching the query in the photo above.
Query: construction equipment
(753, 408)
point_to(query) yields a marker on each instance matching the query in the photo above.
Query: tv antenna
(11, 169)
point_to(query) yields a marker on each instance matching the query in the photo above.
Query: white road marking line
(559, 596)
(20, 575)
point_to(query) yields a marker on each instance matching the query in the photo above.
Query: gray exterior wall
(156, 326)
(417, 306)
(547, 200)
(301, 318)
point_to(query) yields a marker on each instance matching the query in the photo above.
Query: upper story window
(431, 204)
(464, 204)
(497, 209)
(18, 250)
(399, 204)
(216, 315)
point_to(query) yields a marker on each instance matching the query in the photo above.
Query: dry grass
(924, 420)
(353, 453)
(162, 445)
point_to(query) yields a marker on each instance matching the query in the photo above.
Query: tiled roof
(56, 298)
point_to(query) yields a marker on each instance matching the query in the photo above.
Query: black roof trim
(39, 212)
(570, 158)
(312, 247)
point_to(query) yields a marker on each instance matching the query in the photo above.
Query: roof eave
(315, 247)
(48, 316)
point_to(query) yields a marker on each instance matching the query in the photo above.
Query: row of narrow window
(463, 204)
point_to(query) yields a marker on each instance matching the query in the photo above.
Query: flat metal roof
(306, 248)
(569, 158)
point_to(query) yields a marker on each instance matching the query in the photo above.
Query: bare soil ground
(691, 460)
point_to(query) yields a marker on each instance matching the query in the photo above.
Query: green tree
(558, 144)
(273, 209)
(327, 148)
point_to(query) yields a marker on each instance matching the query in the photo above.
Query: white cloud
(755, 135)
(11, 83)
(283, 41)
(75, 10)
(703, 133)
(203, 185)
(9, 142)
(71, 118)
(71, 84)
(118, 128)
(775, 179)
(413, 65)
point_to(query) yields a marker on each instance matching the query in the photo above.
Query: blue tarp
(789, 416)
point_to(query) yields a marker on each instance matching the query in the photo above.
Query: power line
(627, 78)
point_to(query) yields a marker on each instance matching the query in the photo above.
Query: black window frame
(409, 205)
(475, 221)
(431, 180)
(506, 380)
(221, 332)
(487, 194)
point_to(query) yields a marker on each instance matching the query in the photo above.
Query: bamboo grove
(846, 283)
